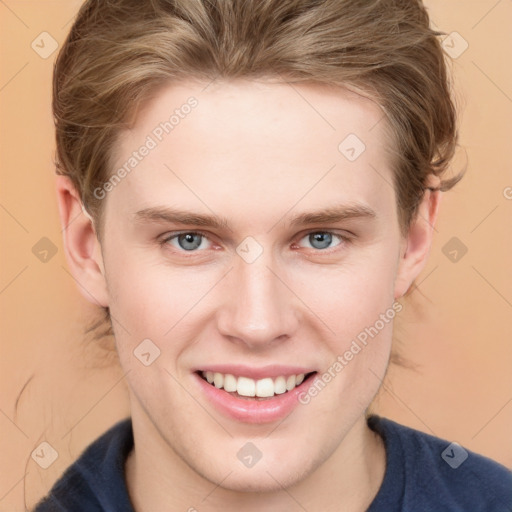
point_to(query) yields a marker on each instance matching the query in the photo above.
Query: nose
(258, 309)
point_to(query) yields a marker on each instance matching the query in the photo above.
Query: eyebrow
(334, 214)
(327, 215)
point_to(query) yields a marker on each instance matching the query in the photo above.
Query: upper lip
(271, 371)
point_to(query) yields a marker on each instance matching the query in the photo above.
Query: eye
(191, 241)
(187, 241)
(322, 240)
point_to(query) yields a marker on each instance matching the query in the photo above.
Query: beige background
(456, 328)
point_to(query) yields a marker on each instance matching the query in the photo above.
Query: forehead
(232, 141)
(259, 109)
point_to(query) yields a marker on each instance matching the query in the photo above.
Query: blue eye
(187, 241)
(191, 241)
(322, 239)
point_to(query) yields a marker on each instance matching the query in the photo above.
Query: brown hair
(119, 52)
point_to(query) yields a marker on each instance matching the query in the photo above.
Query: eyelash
(343, 238)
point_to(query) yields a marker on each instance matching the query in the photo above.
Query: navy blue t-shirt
(423, 474)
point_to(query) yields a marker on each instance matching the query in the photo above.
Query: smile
(245, 387)
(253, 395)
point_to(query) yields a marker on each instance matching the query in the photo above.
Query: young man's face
(271, 293)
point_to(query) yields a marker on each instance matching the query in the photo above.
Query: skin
(258, 154)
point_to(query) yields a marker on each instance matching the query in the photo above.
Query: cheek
(148, 297)
(352, 295)
(356, 304)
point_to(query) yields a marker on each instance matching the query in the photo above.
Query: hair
(120, 52)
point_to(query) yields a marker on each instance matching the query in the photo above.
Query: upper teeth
(249, 387)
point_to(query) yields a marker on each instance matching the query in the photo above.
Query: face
(253, 242)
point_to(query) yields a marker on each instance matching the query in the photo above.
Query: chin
(262, 478)
(259, 483)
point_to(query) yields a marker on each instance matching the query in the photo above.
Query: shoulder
(95, 481)
(437, 474)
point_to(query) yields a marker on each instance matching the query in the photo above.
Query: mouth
(246, 388)
(256, 395)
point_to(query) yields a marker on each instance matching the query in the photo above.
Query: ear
(416, 246)
(81, 245)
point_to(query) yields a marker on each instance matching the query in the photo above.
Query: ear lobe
(418, 242)
(81, 245)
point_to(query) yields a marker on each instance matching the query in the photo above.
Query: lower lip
(254, 411)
